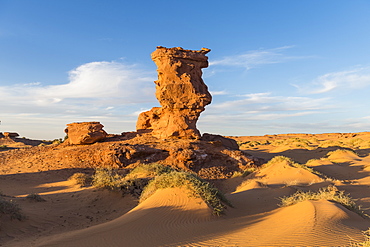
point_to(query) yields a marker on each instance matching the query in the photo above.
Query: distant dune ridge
(167, 185)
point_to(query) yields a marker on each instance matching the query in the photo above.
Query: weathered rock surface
(181, 92)
(10, 134)
(85, 132)
(226, 142)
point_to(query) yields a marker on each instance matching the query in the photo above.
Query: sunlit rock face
(181, 92)
(85, 132)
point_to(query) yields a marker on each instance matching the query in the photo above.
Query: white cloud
(213, 93)
(349, 79)
(263, 102)
(99, 91)
(255, 58)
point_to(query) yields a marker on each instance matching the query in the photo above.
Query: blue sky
(276, 66)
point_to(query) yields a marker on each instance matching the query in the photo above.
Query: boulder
(85, 132)
(180, 91)
(224, 141)
(10, 134)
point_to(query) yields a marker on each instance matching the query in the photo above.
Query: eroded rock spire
(181, 92)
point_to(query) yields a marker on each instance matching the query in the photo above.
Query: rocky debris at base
(85, 132)
(208, 159)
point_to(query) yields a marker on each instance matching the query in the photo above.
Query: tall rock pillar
(181, 92)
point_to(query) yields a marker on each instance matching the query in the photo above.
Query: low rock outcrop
(85, 132)
(181, 92)
(10, 134)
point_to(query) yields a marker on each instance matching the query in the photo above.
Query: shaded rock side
(10, 134)
(85, 132)
(181, 92)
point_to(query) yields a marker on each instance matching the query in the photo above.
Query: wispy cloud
(263, 102)
(348, 79)
(99, 91)
(252, 59)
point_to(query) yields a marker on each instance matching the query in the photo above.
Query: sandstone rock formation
(181, 92)
(10, 134)
(85, 132)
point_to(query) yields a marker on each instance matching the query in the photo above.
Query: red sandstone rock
(10, 134)
(181, 92)
(85, 132)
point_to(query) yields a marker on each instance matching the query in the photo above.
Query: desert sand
(72, 215)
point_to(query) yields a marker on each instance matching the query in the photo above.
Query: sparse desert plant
(341, 151)
(365, 243)
(10, 208)
(150, 170)
(106, 178)
(330, 193)
(198, 187)
(244, 173)
(81, 179)
(134, 186)
(278, 159)
(3, 147)
(35, 197)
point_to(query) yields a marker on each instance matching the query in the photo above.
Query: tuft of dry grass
(330, 193)
(107, 178)
(279, 159)
(81, 179)
(35, 197)
(10, 208)
(198, 187)
(365, 243)
(341, 152)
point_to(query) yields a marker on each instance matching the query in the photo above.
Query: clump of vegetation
(35, 197)
(331, 143)
(106, 178)
(149, 170)
(330, 193)
(198, 187)
(244, 173)
(341, 151)
(81, 179)
(10, 208)
(3, 147)
(278, 159)
(365, 243)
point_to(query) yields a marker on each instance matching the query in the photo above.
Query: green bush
(199, 188)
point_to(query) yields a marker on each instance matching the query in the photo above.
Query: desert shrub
(10, 208)
(3, 147)
(278, 159)
(106, 178)
(365, 243)
(198, 187)
(331, 143)
(341, 151)
(35, 197)
(150, 170)
(81, 179)
(330, 193)
(244, 173)
(134, 186)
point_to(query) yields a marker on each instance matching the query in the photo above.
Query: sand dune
(85, 216)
